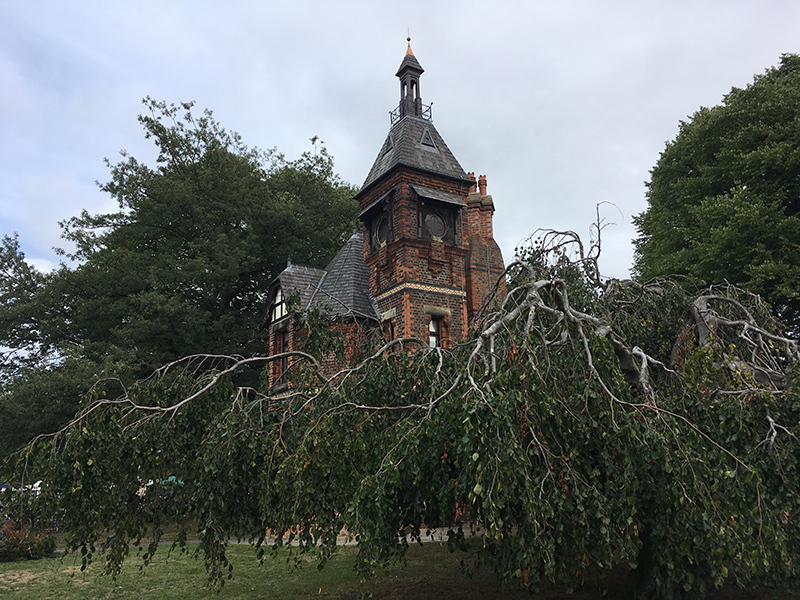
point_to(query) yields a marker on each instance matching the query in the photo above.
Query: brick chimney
(484, 264)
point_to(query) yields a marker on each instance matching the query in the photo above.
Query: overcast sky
(561, 104)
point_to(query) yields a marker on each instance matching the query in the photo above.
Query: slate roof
(403, 146)
(344, 289)
(293, 279)
(440, 195)
(341, 289)
(301, 279)
(410, 62)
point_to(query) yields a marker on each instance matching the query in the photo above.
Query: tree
(586, 424)
(725, 194)
(41, 377)
(182, 267)
(20, 319)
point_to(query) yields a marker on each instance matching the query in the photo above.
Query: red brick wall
(484, 261)
(409, 274)
(353, 336)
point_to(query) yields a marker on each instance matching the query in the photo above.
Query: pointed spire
(409, 51)
(410, 62)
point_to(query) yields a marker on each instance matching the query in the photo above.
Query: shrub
(18, 542)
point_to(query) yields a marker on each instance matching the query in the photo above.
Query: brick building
(425, 260)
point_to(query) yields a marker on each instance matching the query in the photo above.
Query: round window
(382, 230)
(435, 224)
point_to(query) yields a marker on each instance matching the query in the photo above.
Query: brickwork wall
(484, 262)
(409, 274)
(413, 309)
(484, 270)
(353, 336)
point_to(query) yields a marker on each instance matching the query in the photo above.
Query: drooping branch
(758, 357)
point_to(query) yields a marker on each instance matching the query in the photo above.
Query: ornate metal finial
(408, 39)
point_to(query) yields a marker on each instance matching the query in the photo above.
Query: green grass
(179, 576)
(429, 573)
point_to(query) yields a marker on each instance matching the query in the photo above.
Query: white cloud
(562, 105)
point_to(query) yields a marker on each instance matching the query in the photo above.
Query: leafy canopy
(582, 427)
(180, 268)
(724, 197)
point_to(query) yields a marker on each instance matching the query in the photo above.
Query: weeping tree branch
(556, 306)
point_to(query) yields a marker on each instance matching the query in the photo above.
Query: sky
(564, 105)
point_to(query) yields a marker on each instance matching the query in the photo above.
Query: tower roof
(414, 142)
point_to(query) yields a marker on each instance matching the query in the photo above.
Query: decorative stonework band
(421, 287)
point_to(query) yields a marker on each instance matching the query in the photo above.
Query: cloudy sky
(563, 105)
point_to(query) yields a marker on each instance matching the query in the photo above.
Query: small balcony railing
(409, 107)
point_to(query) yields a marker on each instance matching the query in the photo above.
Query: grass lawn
(430, 573)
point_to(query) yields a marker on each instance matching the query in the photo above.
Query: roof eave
(401, 165)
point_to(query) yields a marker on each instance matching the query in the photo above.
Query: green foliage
(180, 269)
(42, 399)
(533, 436)
(725, 194)
(24, 318)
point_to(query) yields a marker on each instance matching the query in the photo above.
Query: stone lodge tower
(428, 240)
(426, 259)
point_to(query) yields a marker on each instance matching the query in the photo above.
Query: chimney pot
(482, 184)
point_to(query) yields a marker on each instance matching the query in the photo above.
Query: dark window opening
(382, 231)
(427, 140)
(437, 223)
(281, 346)
(388, 330)
(379, 225)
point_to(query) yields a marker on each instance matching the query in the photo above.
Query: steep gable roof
(294, 279)
(341, 289)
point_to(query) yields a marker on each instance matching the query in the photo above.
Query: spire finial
(408, 39)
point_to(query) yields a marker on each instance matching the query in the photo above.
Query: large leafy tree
(724, 197)
(181, 267)
(584, 425)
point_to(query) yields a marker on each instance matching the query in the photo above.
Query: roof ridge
(316, 289)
